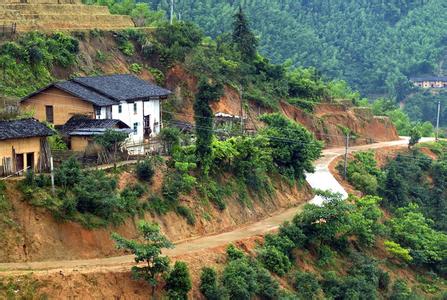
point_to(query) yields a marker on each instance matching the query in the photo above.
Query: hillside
(209, 180)
(100, 52)
(373, 45)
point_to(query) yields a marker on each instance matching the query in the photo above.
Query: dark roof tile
(82, 92)
(79, 122)
(25, 128)
(123, 87)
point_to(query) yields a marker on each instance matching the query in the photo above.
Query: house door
(30, 161)
(49, 112)
(19, 162)
(147, 126)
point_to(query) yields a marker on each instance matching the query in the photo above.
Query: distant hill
(375, 45)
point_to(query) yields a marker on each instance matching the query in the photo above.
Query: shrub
(208, 284)
(178, 283)
(274, 260)
(135, 68)
(43, 180)
(293, 233)
(145, 170)
(398, 251)
(325, 255)
(307, 285)
(280, 242)
(268, 288)
(187, 213)
(96, 194)
(367, 183)
(400, 291)
(170, 136)
(29, 180)
(157, 205)
(68, 174)
(234, 253)
(384, 280)
(127, 48)
(239, 279)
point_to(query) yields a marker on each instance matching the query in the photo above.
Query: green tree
(240, 280)
(294, 148)
(145, 170)
(208, 284)
(112, 141)
(307, 285)
(203, 115)
(149, 252)
(415, 136)
(178, 283)
(244, 40)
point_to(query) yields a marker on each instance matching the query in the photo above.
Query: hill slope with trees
(374, 45)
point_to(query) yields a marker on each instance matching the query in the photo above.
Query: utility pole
(242, 109)
(437, 120)
(345, 167)
(171, 19)
(53, 190)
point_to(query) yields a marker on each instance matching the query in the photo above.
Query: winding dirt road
(321, 179)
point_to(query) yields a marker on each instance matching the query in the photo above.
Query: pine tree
(244, 40)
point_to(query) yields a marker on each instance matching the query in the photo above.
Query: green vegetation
(178, 283)
(141, 14)
(145, 170)
(208, 284)
(27, 62)
(21, 287)
(346, 230)
(203, 117)
(413, 187)
(362, 172)
(155, 264)
(89, 197)
(390, 39)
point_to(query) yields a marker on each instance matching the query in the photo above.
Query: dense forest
(374, 45)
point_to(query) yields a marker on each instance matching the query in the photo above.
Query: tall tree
(203, 116)
(243, 38)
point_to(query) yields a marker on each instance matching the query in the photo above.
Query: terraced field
(49, 15)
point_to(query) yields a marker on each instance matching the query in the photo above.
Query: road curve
(321, 179)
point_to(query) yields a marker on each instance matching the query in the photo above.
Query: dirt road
(321, 179)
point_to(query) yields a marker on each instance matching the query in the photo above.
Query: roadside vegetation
(413, 189)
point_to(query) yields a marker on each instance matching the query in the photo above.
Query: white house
(123, 97)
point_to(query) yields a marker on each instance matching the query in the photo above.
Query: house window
(120, 108)
(49, 112)
(135, 108)
(98, 112)
(135, 128)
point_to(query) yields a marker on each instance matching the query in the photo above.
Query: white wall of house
(152, 108)
(132, 113)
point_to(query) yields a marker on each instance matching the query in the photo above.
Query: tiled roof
(123, 87)
(108, 90)
(84, 93)
(81, 123)
(25, 128)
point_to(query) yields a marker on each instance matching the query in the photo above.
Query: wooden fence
(7, 30)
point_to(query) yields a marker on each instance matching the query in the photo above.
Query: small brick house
(23, 146)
